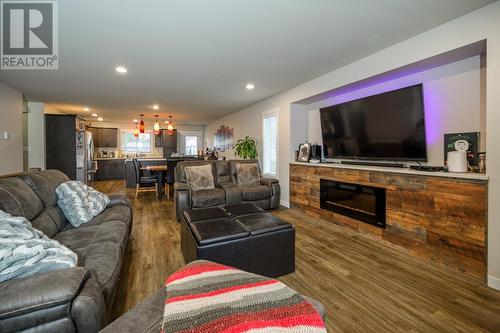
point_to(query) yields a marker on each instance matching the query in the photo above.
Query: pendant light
(156, 127)
(142, 127)
(136, 130)
(170, 126)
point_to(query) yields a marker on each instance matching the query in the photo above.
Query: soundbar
(428, 168)
(378, 164)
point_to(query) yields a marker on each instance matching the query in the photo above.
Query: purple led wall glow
(451, 94)
(434, 99)
(461, 53)
(372, 82)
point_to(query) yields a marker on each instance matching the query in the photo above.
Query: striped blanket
(209, 297)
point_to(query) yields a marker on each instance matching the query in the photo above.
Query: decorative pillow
(80, 203)
(208, 297)
(200, 177)
(25, 251)
(247, 174)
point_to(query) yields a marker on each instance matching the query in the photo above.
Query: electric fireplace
(363, 203)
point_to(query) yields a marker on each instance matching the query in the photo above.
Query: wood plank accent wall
(440, 219)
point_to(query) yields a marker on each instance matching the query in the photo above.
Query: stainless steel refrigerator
(84, 156)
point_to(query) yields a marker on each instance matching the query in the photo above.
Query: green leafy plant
(246, 148)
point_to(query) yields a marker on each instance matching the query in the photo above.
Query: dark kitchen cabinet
(60, 144)
(168, 142)
(111, 169)
(96, 136)
(159, 139)
(104, 137)
(112, 137)
(165, 140)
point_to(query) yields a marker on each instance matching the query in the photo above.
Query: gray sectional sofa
(227, 192)
(79, 299)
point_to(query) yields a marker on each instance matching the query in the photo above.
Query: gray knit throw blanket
(25, 251)
(80, 203)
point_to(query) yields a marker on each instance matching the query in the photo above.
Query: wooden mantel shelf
(437, 216)
(406, 171)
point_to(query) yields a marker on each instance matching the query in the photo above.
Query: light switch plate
(6, 135)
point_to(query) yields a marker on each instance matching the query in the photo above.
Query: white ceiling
(194, 57)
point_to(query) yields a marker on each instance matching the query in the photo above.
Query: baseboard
(285, 203)
(493, 282)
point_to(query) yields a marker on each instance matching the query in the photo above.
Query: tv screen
(388, 126)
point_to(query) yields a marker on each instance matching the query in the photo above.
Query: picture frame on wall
(304, 152)
(223, 138)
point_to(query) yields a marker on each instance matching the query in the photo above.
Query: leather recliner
(227, 192)
(76, 299)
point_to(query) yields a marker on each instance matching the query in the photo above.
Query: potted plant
(246, 148)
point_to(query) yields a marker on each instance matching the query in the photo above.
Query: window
(141, 144)
(270, 142)
(190, 142)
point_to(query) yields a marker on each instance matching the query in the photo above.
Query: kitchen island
(171, 163)
(110, 168)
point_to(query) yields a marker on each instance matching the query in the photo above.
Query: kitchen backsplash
(117, 153)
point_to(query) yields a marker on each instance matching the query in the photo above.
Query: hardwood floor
(365, 286)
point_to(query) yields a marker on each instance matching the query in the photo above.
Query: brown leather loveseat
(227, 191)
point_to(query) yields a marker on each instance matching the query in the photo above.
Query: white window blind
(141, 144)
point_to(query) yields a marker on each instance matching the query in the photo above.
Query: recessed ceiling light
(86, 109)
(156, 106)
(94, 114)
(100, 119)
(121, 69)
(250, 86)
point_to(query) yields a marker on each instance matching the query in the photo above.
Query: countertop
(147, 159)
(129, 158)
(471, 176)
(108, 158)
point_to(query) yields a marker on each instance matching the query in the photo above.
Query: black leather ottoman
(242, 236)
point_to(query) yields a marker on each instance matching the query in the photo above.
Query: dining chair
(144, 184)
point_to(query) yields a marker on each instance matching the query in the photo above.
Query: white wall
(452, 103)
(36, 135)
(11, 122)
(478, 25)
(243, 123)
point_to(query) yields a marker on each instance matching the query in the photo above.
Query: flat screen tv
(387, 126)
